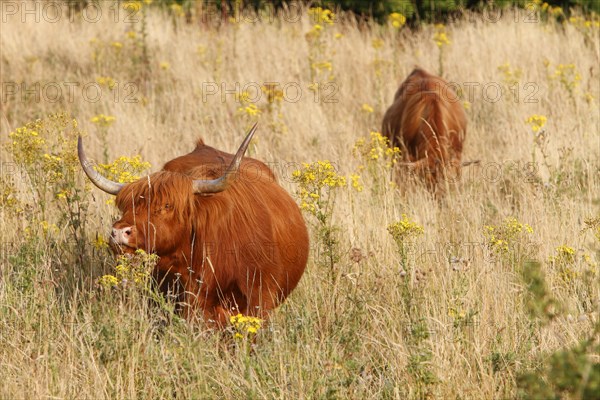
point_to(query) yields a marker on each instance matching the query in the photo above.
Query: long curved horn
(101, 182)
(202, 186)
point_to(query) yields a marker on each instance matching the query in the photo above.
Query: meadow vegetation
(489, 291)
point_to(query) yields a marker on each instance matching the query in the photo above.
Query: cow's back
(206, 162)
(426, 120)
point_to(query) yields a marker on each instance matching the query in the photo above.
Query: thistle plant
(317, 186)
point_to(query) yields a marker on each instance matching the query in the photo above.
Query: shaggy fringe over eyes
(157, 190)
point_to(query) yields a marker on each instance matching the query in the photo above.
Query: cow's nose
(122, 235)
(122, 231)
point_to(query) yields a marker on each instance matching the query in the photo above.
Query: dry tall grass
(454, 326)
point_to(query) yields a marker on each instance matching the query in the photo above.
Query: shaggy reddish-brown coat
(427, 121)
(241, 250)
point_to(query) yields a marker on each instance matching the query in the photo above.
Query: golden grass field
(443, 314)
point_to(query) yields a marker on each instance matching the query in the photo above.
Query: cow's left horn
(103, 183)
(202, 186)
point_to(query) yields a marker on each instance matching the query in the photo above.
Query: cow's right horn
(202, 186)
(101, 182)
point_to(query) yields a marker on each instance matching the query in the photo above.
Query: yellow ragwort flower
(537, 122)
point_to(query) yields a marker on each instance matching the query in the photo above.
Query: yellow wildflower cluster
(108, 281)
(47, 227)
(251, 110)
(564, 261)
(245, 326)
(312, 180)
(592, 267)
(319, 56)
(321, 15)
(117, 45)
(134, 270)
(511, 75)
(564, 254)
(135, 5)
(243, 97)
(49, 144)
(594, 225)
(501, 238)
(537, 122)
(100, 243)
(164, 65)
(546, 8)
(355, 181)
(404, 229)
(568, 76)
(322, 66)
(274, 94)
(103, 121)
(314, 32)
(367, 108)
(124, 169)
(8, 195)
(377, 43)
(177, 10)
(397, 20)
(376, 149)
(457, 313)
(27, 143)
(54, 171)
(585, 25)
(106, 81)
(45, 152)
(440, 37)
